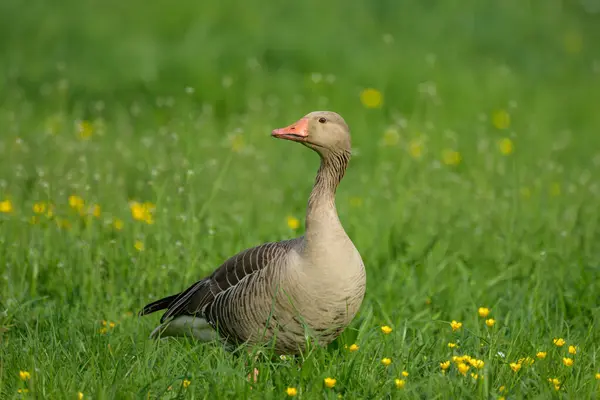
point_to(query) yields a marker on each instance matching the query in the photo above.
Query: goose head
(325, 132)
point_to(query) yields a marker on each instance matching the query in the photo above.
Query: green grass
(517, 233)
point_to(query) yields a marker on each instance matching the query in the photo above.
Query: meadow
(135, 156)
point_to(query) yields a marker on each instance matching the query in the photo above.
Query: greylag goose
(282, 292)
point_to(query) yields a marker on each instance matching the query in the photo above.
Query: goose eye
(322, 120)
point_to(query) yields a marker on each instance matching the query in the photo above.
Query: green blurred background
(232, 52)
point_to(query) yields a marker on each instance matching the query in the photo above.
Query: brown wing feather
(197, 297)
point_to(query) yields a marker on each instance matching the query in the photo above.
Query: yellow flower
(96, 210)
(142, 211)
(386, 329)
(371, 98)
(386, 361)
(463, 368)
(111, 325)
(501, 398)
(24, 375)
(186, 383)
(405, 373)
(415, 148)
(568, 361)
(391, 137)
(483, 312)
(506, 146)
(400, 383)
(103, 331)
(291, 391)
(329, 382)
(22, 390)
(452, 345)
(451, 157)
(554, 381)
(79, 396)
(560, 342)
(490, 322)
(541, 355)
(557, 387)
(353, 347)
(526, 361)
(502, 388)
(293, 223)
(445, 365)
(455, 325)
(501, 119)
(474, 375)
(84, 130)
(572, 350)
(479, 364)
(76, 202)
(118, 224)
(139, 245)
(39, 207)
(598, 376)
(6, 206)
(515, 366)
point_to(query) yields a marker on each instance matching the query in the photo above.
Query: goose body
(282, 292)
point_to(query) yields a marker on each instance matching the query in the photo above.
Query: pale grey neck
(322, 222)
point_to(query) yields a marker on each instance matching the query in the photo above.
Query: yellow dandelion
(501, 119)
(483, 312)
(76, 202)
(572, 350)
(405, 373)
(455, 325)
(24, 375)
(371, 98)
(6, 206)
(598, 376)
(386, 330)
(79, 396)
(445, 365)
(451, 157)
(117, 224)
(186, 383)
(291, 391)
(515, 367)
(139, 245)
(85, 130)
(329, 382)
(463, 368)
(391, 137)
(142, 211)
(400, 383)
(490, 322)
(452, 345)
(560, 342)
(415, 148)
(293, 223)
(386, 361)
(541, 355)
(479, 364)
(568, 361)
(39, 207)
(96, 211)
(506, 146)
(557, 387)
(501, 398)
(111, 325)
(353, 347)
(554, 381)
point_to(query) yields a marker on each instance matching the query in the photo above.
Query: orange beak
(297, 132)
